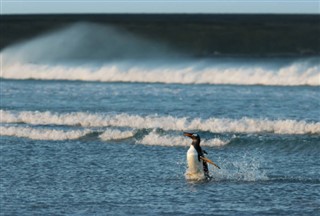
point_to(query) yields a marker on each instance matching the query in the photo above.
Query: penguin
(197, 162)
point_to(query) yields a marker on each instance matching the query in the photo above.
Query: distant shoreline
(194, 34)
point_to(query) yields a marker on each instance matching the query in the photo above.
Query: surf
(93, 52)
(297, 73)
(164, 122)
(42, 133)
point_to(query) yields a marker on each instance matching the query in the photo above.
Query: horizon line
(157, 13)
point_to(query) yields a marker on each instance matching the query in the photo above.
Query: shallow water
(79, 148)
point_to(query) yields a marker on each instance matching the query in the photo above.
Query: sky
(159, 6)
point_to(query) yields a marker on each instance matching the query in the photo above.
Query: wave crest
(153, 138)
(214, 125)
(299, 73)
(94, 52)
(42, 134)
(114, 134)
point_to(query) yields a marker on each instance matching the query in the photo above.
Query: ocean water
(98, 130)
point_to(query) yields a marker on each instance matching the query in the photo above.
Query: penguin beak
(187, 134)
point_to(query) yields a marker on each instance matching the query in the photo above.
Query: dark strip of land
(194, 34)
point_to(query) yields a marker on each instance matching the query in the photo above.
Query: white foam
(114, 134)
(153, 138)
(93, 52)
(41, 134)
(294, 74)
(194, 176)
(215, 125)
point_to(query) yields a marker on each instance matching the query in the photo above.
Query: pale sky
(160, 6)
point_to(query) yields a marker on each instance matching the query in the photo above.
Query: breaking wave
(91, 52)
(115, 134)
(154, 138)
(214, 125)
(42, 134)
(299, 73)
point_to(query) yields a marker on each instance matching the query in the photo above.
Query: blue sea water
(106, 138)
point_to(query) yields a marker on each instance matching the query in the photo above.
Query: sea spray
(244, 167)
(82, 42)
(93, 52)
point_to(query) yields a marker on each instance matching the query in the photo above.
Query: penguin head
(195, 137)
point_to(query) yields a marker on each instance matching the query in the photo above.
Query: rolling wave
(214, 125)
(90, 52)
(298, 73)
(41, 133)
(115, 134)
(154, 138)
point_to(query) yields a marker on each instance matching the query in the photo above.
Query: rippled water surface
(88, 148)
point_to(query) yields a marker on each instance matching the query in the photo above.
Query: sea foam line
(115, 55)
(154, 138)
(42, 134)
(215, 125)
(115, 134)
(290, 75)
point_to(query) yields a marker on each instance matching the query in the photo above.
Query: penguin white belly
(195, 167)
